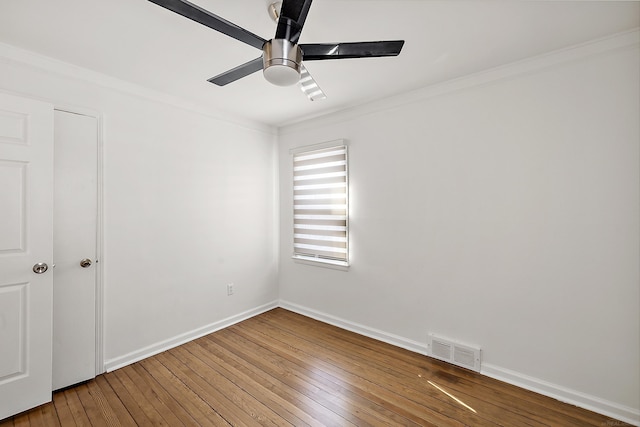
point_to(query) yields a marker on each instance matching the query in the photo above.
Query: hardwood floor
(283, 369)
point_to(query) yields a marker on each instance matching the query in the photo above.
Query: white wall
(189, 205)
(502, 211)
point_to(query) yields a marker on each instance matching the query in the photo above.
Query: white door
(26, 240)
(74, 248)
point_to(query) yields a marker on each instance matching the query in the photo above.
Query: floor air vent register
(455, 353)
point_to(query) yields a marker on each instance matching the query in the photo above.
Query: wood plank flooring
(284, 369)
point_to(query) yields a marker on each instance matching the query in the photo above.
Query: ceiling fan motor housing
(281, 62)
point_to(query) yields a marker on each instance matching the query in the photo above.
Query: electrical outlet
(229, 288)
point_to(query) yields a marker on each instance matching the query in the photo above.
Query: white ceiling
(140, 42)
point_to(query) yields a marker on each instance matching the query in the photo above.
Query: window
(320, 203)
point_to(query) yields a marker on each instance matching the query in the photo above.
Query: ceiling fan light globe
(281, 75)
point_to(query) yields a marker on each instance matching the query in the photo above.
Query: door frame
(99, 308)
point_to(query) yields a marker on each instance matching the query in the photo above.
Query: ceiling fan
(282, 56)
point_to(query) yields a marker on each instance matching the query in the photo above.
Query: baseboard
(573, 397)
(376, 334)
(143, 353)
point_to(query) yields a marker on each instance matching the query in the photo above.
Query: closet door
(75, 217)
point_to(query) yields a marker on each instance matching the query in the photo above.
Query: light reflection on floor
(450, 395)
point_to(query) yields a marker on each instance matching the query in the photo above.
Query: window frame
(319, 260)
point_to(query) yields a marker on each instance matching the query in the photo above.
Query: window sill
(325, 263)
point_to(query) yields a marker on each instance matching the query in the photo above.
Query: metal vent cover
(453, 352)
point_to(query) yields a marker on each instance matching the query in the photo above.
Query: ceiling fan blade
(321, 51)
(293, 14)
(208, 19)
(309, 85)
(237, 73)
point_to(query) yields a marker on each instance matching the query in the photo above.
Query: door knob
(85, 263)
(40, 268)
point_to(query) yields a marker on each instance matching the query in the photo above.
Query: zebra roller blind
(320, 204)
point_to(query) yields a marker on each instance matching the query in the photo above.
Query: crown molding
(618, 41)
(16, 56)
